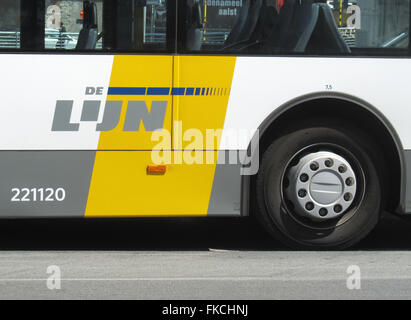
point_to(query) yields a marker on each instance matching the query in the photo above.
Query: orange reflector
(82, 14)
(156, 169)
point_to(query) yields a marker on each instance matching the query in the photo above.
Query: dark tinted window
(10, 24)
(77, 25)
(135, 25)
(297, 27)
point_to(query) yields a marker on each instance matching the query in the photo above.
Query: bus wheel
(318, 188)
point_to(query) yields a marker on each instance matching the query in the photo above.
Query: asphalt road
(193, 259)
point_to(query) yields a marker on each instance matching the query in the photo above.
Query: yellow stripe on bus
(206, 112)
(137, 72)
(120, 185)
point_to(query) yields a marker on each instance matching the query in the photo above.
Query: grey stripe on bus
(225, 196)
(71, 170)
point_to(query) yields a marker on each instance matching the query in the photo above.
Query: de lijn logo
(137, 112)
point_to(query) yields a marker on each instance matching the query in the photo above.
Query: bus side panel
(105, 173)
(191, 186)
(121, 186)
(60, 184)
(31, 88)
(44, 183)
(262, 84)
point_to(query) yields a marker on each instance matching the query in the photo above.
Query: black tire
(275, 214)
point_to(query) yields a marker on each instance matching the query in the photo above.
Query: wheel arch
(312, 105)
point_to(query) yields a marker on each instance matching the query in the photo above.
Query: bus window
(269, 27)
(373, 24)
(134, 25)
(71, 25)
(108, 25)
(10, 24)
(83, 25)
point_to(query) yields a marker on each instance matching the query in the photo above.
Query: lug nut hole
(309, 206)
(329, 163)
(342, 169)
(302, 193)
(337, 208)
(349, 182)
(323, 212)
(314, 166)
(304, 177)
(347, 197)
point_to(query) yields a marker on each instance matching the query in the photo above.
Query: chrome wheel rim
(321, 186)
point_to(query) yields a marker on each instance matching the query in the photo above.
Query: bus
(292, 112)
